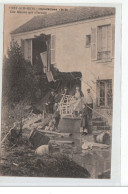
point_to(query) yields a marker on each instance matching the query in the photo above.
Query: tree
(17, 75)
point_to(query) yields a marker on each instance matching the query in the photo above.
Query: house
(80, 39)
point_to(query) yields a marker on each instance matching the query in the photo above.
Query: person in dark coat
(56, 116)
(84, 119)
(51, 102)
(89, 101)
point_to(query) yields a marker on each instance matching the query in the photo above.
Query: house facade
(81, 39)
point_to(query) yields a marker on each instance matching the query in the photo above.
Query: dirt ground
(20, 160)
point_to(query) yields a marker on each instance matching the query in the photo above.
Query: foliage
(18, 75)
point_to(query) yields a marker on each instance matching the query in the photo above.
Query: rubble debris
(37, 139)
(51, 125)
(102, 146)
(36, 121)
(66, 148)
(30, 120)
(103, 138)
(104, 175)
(62, 142)
(55, 145)
(89, 145)
(14, 145)
(54, 122)
(14, 134)
(55, 133)
(40, 151)
(15, 164)
(36, 111)
(6, 137)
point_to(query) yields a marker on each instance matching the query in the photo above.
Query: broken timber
(61, 142)
(55, 133)
(55, 145)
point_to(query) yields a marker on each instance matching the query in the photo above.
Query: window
(104, 42)
(104, 93)
(88, 40)
(26, 48)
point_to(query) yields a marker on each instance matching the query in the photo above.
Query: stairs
(100, 124)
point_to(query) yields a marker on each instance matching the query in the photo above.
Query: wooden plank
(100, 145)
(58, 142)
(55, 133)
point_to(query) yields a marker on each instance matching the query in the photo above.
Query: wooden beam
(55, 133)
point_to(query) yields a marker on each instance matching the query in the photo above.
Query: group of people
(86, 113)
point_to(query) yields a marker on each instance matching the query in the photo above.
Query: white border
(115, 180)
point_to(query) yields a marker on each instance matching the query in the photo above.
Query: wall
(72, 53)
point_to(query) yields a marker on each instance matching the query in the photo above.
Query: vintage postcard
(57, 91)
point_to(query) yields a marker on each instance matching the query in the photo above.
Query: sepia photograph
(57, 91)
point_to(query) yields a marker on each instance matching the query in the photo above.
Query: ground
(21, 160)
(69, 161)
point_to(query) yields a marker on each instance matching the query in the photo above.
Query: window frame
(107, 83)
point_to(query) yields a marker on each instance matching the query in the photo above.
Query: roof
(64, 17)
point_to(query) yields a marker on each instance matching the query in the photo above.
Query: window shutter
(22, 46)
(28, 49)
(44, 61)
(98, 94)
(94, 44)
(113, 40)
(53, 45)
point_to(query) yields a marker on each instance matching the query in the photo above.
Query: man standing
(89, 101)
(84, 119)
(51, 102)
(56, 116)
